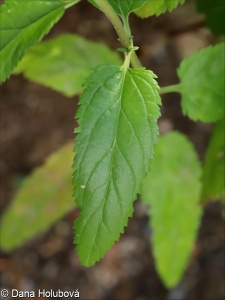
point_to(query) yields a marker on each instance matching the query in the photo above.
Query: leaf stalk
(175, 88)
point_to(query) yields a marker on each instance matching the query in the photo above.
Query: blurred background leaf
(172, 189)
(64, 62)
(202, 84)
(213, 171)
(45, 196)
(157, 7)
(214, 12)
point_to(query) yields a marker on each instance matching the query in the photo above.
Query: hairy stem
(171, 89)
(135, 62)
(124, 35)
(107, 9)
(127, 30)
(127, 60)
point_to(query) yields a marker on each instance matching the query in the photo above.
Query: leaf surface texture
(23, 24)
(213, 171)
(202, 84)
(125, 7)
(118, 130)
(172, 189)
(157, 7)
(64, 62)
(44, 197)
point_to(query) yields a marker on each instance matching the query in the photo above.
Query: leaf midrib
(124, 70)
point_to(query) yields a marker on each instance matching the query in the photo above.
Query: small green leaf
(172, 189)
(45, 196)
(118, 130)
(214, 11)
(23, 24)
(157, 7)
(202, 84)
(213, 171)
(64, 62)
(123, 8)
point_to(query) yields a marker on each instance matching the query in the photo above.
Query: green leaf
(214, 11)
(213, 171)
(202, 84)
(172, 189)
(23, 24)
(45, 196)
(125, 7)
(117, 118)
(157, 7)
(64, 62)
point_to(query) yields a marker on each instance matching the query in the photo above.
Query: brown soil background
(36, 121)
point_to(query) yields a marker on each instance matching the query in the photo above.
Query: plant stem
(124, 34)
(171, 89)
(116, 22)
(135, 62)
(127, 30)
(127, 60)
